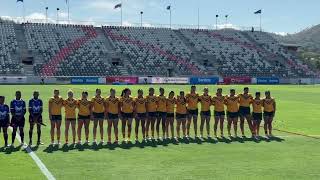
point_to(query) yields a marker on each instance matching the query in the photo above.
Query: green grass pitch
(289, 157)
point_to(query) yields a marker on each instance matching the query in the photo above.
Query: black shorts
(193, 112)
(205, 113)
(170, 115)
(113, 116)
(257, 116)
(181, 116)
(141, 115)
(56, 118)
(219, 113)
(4, 123)
(244, 111)
(162, 115)
(39, 120)
(98, 116)
(233, 114)
(80, 117)
(18, 121)
(152, 114)
(71, 119)
(268, 114)
(127, 115)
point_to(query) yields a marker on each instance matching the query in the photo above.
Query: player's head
(36, 94)
(193, 88)
(84, 95)
(258, 94)
(181, 93)
(151, 91)
(140, 92)
(246, 90)
(206, 90)
(98, 92)
(268, 94)
(18, 94)
(112, 92)
(232, 92)
(171, 94)
(2, 98)
(70, 94)
(219, 91)
(56, 93)
(126, 92)
(161, 90)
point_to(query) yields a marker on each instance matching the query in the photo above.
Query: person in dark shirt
(18, 110)
(35, 116)
(4, 119)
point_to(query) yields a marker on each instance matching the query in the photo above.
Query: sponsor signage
(13, 80)
(268, 80)
(170, 80)
(204, 80)
(237, 80)
(122, 80)
(84, 80)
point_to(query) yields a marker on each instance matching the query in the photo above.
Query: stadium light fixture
(58, 15)
(141, 14)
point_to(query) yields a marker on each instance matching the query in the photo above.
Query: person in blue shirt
(18, 110)
(4, 119)
(35, 116)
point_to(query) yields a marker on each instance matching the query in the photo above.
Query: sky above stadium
(279, 16)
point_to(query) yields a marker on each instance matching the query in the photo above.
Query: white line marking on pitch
(37, 160)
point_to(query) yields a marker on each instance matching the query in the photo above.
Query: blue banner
(270, 80)
(85, 80)
(204, 80)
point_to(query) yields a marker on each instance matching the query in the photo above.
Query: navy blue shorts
(205, 113)
(113, 116)
(98, 116)
(268, 114)
(162, 115)
(56, 118)
(181, 116)
(257, 116)
(80, 117)
(233, 114)
(18, 121)
(152, 114)
(193, 112)
(127, 115)
(4, 123)
(219, 113)
(141, 115)
(170, 115)
(32, 118)
(244, 111)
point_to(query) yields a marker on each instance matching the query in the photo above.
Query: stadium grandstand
(47, 50)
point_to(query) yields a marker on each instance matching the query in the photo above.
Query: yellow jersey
(268, 105)
(98, 105)
(162, 104)
(170, 105)
(205, 101)
(56, 105)
(232, 103)
(245, 100)
(151, 103)
(192, 101)
(127, 104)
(70, 106)
(218, 103)
(181, 105)
(140, 104)
(112, 104)
(84, 107)
(257, 105)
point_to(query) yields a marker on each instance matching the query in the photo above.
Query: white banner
(169, 80)
(13, 80)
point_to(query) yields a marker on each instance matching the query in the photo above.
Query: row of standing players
(148, 112)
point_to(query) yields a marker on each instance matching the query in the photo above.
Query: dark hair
(232, 90)
(151, 89)
(140, 90)
(267, 92)
(193, 86)
(98, 90)
(1, 97)
(171, 92)
(246, 88)
(85, 92)
(258, 93)
(111, 90)
(18, 92)
(124, 92)
(219, 89)
(161, 88)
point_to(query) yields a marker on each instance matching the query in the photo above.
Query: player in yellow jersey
(113, 111)
(84, 106)
(181, 114)
(70, 106)
(140, 111)
(162, 113)
(231, 101)
(171, 101)
(98, 115)
(192, 106)
(126, 104)
(269, 108)
(151, 112)
(205, 101)
(245, 100)
(218, 102)
(55, 105)
(256, 114)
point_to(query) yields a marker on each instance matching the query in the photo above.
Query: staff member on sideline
(55, 105)
(35, 116)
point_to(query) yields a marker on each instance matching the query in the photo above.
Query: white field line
(37, 160)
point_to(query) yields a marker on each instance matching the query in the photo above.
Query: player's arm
(12, 110)
(30, 107)
(24, 107)
(106, 107)
(147, 105)
(49, 109)
(275, 107)
(41, 106)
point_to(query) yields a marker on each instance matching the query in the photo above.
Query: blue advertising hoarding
(204, 80)
(269, 80)
(85, 80)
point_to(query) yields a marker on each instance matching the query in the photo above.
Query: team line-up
(149, 112)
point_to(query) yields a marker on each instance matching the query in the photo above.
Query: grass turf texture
(287, 157)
